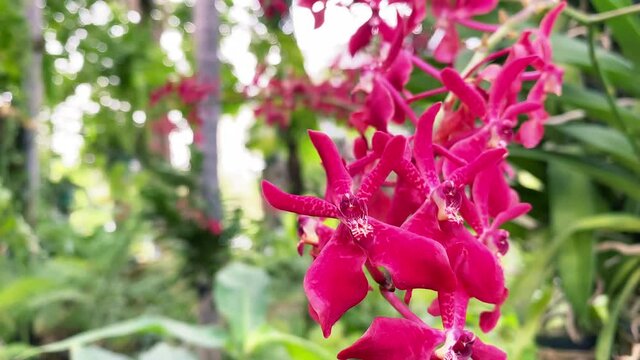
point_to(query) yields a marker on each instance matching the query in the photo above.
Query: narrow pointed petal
(510, 214)
(472, 216)
(376, 177)
(412, 260)
(466, 149)
(394, 339)
(507, 77)
(380, 106)
(298, 204)
(466, 174)
(482, 351)
(524, 107)
(466, 93)
(453, 308)
(361, 38)
(335, 281)
(338, 179)
(396, 43)
(478, 7)
(546, 25)
(423, 145)
(400, 70)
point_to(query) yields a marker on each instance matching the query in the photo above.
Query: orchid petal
(530, 133)
(335, 281)
(477, 268)
(546, 25)
(507, 77)
(407, 198)
(467, 94)
(400, 70)
(482, 351)
(466, 174)
(491, 192)
(338, 179)
(298, 204)
(394, 339)
(360, 38)
(380, 106)
(423, 145)
(412, 260)
(524, 107)
(453, 308)
(513, 212)
(376, 177)
(448, 47)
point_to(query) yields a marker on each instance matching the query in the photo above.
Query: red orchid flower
(335, 281)
(450, 13)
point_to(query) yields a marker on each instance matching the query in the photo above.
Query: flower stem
(400, 306)
(426, 94)
(426, 67)
(399, 100)
(619, 122)
(590, 19)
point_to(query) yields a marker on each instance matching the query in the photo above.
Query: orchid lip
(354, 214)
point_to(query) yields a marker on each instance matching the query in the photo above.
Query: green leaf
(529, 328)
(596, 106)
(539, 268)
(21, 291)
(575, 52)
(240, 292)
(605, 139)
(95, 353)
(571, 198)
(298, 348)
(164, 351)
(203, 336)
(625, 29)
(604, 344)
(607, 174)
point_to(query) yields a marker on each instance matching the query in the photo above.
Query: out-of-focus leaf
(625, 29)
(95, 353)
(605, 341)
(529, 328)
(536, 271)
(575, 52)
(202, 336)
(297, 347)
(605, 139)
(21, 291)
(164, 351)
(241, 296)
(571, 198)
(604, 173)
(622, 274)
(595, 105)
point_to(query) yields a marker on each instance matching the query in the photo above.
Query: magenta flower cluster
(424, 211)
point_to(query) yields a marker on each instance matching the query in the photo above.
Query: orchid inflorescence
(424, 211)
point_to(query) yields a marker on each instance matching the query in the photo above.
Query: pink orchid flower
(335, 281)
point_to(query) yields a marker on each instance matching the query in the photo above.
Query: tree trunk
(296, 185)
(34, 92)
(208, 68)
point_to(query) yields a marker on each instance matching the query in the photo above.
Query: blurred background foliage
(117, 260)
